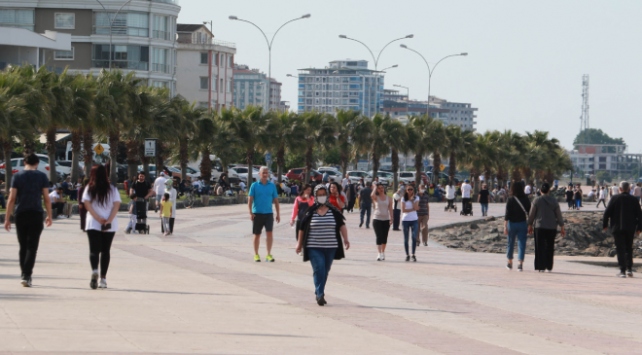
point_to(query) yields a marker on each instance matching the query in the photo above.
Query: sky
(525, 58)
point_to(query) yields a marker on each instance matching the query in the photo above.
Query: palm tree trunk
(394, 157)
(418, 164)
(436, 165)
(280, 162)
(308, 163)
(51, 152)
(160, 156)
(114, 139)
(183, 157)
(249, 159)
(375, 162)
(88, 144)
(133, 156)
(75, 155)
(206, 166)
(7, 148)
(452, 167)
(344, 157)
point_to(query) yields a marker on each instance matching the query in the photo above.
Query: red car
(299, 174)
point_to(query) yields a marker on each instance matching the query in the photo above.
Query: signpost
(99, 149)
(150, 147)
(268, 159)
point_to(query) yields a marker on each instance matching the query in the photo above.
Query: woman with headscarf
(545, 215)
(320, 239)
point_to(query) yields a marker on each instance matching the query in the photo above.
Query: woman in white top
(409, 219)
(382, 218)
(450, 196)
(102, 201)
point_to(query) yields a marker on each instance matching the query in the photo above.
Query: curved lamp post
(111, 24)
(431, 71)
(376, 60)
(269, 42)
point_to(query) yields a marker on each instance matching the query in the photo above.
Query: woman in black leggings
(102, 201)
(382, 218)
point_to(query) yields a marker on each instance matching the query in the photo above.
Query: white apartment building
(20, 45)
(204, 68)
(251, 87)
(591, 158)
(140, 38)
(344, 84)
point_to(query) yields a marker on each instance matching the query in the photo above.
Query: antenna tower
(584, 123)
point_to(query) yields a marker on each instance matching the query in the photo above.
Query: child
(131, 207)
(166, 212)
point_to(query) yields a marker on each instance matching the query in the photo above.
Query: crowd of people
(318, 218)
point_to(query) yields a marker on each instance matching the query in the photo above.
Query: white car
(384, 177)
(406, 176)
(356, 175)
(191, 172)
(242, 173)
(59, 168)
(18, 164)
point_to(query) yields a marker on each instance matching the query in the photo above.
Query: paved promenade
(199, 291)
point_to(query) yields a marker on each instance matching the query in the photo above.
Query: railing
(161, 34)
(161, 68)
(223, 43)
(121, 64)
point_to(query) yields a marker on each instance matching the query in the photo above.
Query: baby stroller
(450, 205)
(467, 209)
(141, 216)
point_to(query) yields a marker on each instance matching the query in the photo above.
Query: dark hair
(517, 189)
(31, 159)
(305, 187)
(166, 197)
(98, 186)
(405, 195)
(336, 184)
(140, 173)
(545, 188)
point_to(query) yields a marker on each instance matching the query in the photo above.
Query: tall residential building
(20, 45)
(142, 34)
(204, 67)
(399, 106)
(251, 87)
(344, 84)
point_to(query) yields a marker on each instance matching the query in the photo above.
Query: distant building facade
(142, 34)
(343, 85)
(205, 66)
(613, 158)
(254, 88)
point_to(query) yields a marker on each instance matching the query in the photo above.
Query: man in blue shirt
(261, 197)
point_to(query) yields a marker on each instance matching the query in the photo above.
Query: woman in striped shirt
(320, 239)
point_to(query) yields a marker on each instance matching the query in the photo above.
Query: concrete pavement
(199, 291)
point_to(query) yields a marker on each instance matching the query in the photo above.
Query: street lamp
(431, 71)
(376, 60)
(271, 41)
(407, 96)
(392, 67)
(209, 71)
(111, 24)
(291, 76)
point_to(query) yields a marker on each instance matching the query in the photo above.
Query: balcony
(161, 68)
(120, 64)
(165, 35)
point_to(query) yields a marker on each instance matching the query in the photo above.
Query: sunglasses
(410, 190)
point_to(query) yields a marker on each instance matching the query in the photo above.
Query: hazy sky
(524, 68)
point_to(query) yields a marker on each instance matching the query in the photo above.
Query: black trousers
(171, 226)
(601, 200)
(396, 219)
(544, 248)
(624, 246)
(59, 207)
(381, 229)
(29, 226)
(99, 249)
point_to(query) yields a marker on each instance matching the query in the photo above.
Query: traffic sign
(442, 167)
(425, 163)
(99, 149)
(150, 147)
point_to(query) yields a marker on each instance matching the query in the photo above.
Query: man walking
(601, 197)
(423, 213)
(261, 197)
(624, 216)
(159, 189)
(466, 190)
(27, 187)
(365, 204)
(613, 191)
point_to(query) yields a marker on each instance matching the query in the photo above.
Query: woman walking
(301, 205)
(336, 198)
(546, 215)
(320, 239)
(382, 218)
(351, 192)
(102, 201)
(410, 220)
(517, 208)
(483, 198)
(450, 196)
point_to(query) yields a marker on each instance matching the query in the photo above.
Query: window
(122, 56)
(161, 27)
(204, 82)
(17, 18)
(64, 55)
(204, 58)
(65, 20)
(126, 24)
(159, 60)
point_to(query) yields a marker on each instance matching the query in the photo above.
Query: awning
(59, 137)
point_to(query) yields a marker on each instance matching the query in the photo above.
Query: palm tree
(205, 129)
(183, 126)
(81, 113)
(418, 131)
(394, 138)
(437, 143)
(249, 125)
(58, 90)
(458, 145)
(286, 134)
(225, 143)
(319, 133)
(352, 132)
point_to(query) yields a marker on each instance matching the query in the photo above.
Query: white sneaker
(103, 283)
(383, 256)
(379, 257)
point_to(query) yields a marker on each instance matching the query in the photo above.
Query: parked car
(409, 176)
(298, 175)
(384, 177)
(333, 173)
(65, 171)
(191, 172)
(17, 164)
(3, 175)
(356, 175)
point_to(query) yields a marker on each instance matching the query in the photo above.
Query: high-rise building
(142, 34)
(344, 84)
(399, 106)
(204, 67)
(252, 87)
